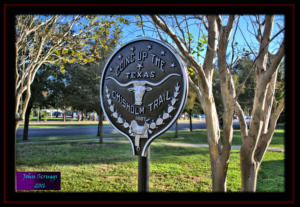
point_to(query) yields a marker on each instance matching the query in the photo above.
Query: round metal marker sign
(143, 90)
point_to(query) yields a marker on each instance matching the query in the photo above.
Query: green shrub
(45, 115)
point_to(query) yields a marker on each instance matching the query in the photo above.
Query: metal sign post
(143, 172)
(143, 90)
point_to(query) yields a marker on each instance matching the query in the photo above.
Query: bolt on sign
(143, 90)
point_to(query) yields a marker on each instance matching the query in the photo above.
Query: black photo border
(12, 197)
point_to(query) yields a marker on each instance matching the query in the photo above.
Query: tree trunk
(218, 156)
(64, 115)
(190, 117)
(26, 122)
(218, 166)
(17, 123)
(82, 116)
(219, 174)
(176, 129)
(251, 157)
(39, 115)
(100, 127)
(78, 116)
(249, 170)
(94, 116)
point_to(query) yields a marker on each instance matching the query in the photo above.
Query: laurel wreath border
(154, 123)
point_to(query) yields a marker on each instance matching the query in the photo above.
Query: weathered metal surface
(143, 172)
(143, 90)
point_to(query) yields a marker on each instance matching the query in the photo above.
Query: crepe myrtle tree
(55, 40)
(266, 109)
(202, 82)
(215, 43)
(37, 39)
(38, 99)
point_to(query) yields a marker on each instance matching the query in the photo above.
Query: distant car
(197, 116)
(57, 114)
(247, 116)
(235, 117)
(202, 116)
(69, 113)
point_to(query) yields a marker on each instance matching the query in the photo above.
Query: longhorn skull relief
(139, 87)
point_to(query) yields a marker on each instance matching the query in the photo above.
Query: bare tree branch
(157, 20)
(219, 22)
(141, 18)
(262, 56)
(243, 124)
(277, 58)
(266, 138)
(210, 56)
(233, 38)
(223, 42)
(187, 26)
(182, 32)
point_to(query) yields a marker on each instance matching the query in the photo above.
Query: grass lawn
(66, 138)
(199, 136)
(111, 167)
(47, 125)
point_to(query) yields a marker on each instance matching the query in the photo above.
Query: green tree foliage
(240, 71)
(38, 99)
(192, 103)
(59, 92)
(57, 40)
(84, 83)
(280, 84)
(39, 88)
(79, 85)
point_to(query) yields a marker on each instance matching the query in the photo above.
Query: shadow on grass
(271, 176)
(92, 152)
(162, 151)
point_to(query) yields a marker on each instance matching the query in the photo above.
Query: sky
(243, 36)
(243, 33)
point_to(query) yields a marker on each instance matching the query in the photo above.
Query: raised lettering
(153, 56)
(124, 63)
(155, 104)
(167, 96)
(132, 58)
(146, 75)
(157, 61)
(152, 74)
(113, 94)
(124, 103)
(139, 74)
(132, 74)
(162, 64)
(150, 107)
(145, 54)
(160, 99)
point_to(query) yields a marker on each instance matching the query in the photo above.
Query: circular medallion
(143, 90)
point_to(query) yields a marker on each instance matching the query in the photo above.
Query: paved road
(92, 130)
